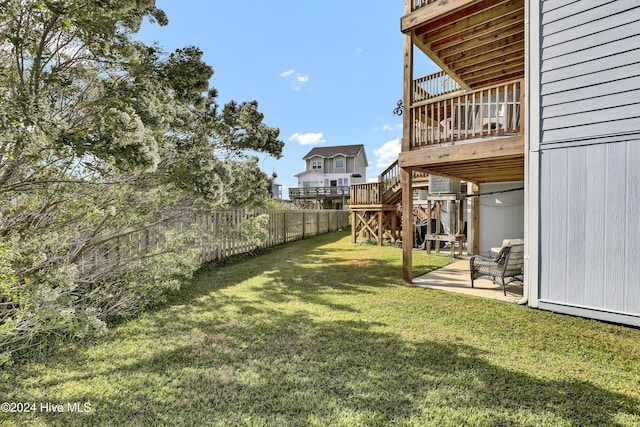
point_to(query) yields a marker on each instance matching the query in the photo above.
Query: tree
(102, 139)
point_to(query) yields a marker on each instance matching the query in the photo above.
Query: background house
(276, 191)
(328, 173)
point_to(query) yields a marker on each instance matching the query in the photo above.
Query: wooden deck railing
(390, 177)
(313, 192)
(433, 85)
(490, 111)
(385, 190)
(366, 194)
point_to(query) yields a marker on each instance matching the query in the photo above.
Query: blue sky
(324, 73)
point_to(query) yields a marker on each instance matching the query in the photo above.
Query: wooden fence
(218, 236)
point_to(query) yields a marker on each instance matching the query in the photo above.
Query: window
(339, 163)
(316, 165)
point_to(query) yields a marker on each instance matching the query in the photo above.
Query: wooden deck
(466, 121)
(374, 206)
(475, 135)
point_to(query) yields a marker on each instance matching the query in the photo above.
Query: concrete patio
(455, 277)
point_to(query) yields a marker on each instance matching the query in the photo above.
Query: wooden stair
(375, 207)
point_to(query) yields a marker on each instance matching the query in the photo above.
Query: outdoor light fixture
(399, 108)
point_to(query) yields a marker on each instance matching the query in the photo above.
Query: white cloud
(387, 153)
(308, 138)
(385, 127)
(296, 80)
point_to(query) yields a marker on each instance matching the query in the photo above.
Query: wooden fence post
(284, 227)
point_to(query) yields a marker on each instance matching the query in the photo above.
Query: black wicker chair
(507, 266)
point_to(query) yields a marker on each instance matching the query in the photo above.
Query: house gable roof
(338, 150)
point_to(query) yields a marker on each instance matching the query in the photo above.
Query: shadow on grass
(215, 358)
(292, 370)
(306, 270)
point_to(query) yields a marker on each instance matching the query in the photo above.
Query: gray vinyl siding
(328, 166)
(590, 62)
(590, 232)
(351, 164)
(589, 201)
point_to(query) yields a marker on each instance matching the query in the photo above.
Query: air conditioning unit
(442, 185)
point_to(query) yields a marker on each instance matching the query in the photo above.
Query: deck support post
(353, 226)
(380, 227)
(407, 225)
(406, 176)
(473, 243)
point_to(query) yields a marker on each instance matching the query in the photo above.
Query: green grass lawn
(323, 333)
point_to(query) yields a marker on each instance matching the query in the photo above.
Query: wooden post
(284, 227)
(452, 226)
(407, 96)
(394, 225)
(438, 206)
(407, 225)
(405, 174)
(304, 225)
(461, 207)
(380, 227)
(475, 228)
(427, 243)
(353, 227)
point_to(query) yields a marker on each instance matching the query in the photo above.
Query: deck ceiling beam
(507, 53)
(500, 36)
(479, 32)
(431, 12)
(475, 42)
(473, 16)
(507, 60)
(496, 78)
(497, 47)
(494, 71)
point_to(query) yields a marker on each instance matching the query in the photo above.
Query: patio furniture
(507, 266)
(493, 252)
